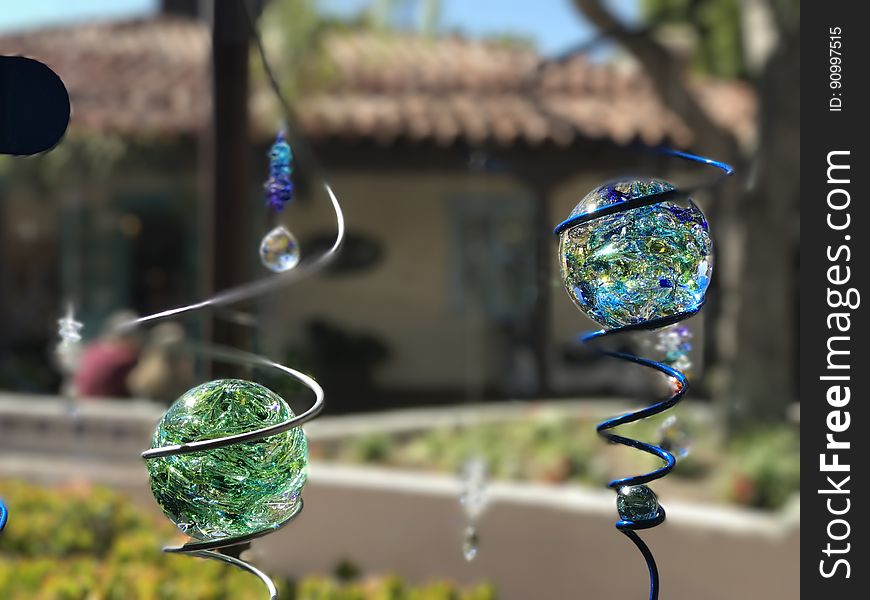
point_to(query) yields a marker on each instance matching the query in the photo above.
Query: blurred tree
(418, 15)
(430, 15)
(756, 214)
(713, 27)
(290, 31)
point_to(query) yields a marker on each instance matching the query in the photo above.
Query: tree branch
(668, 76)
(786, 16)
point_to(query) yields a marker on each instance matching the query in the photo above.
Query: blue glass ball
(645, 263)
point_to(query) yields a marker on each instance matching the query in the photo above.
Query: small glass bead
(637, 503)
(280, 152)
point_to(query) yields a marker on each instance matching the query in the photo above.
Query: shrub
(764, 467)
(89, 543)
(760, 468)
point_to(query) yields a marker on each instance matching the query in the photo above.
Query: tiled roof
(136, 76)
(151, 76)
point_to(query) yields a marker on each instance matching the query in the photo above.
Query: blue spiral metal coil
(4, 515)
(627, 527)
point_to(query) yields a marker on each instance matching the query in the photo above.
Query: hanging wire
(627, 527)
(223, 549)
(227, 549)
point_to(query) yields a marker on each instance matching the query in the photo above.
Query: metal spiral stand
(630, 528)
(227, 549)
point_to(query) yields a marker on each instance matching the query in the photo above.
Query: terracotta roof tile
(151, 76)
(144, 75)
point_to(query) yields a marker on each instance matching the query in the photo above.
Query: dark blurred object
(358, 253)
(344, 363)
(34, 106)
(108, 361)
(346, 571)
(230, 219)
(182, 8)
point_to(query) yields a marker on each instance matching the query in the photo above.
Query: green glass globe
(642, 264)
(237, 490)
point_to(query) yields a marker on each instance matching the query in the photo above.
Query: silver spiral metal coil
(227, 549)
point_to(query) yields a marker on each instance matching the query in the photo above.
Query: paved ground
(530, 554)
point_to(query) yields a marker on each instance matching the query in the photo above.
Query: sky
(31, 14)
(553, 25)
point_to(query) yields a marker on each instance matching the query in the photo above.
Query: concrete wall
(538, 542)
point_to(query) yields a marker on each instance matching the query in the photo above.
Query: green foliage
(289, 32)
(548, 449)
(292, 31)
(714, 25)
(83, 543)
(385, 15)
(390, 588)
(764, 467)
(373, 448)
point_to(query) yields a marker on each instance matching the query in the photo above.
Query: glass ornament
(636, 503)
(69, 347)
(279, 186)
(279, 250)
(473, 500)
(645, 263)
(470, 543)
(675, 438)
(236, 490)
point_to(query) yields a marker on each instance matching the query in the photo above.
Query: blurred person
(162, 373)
(107, 361)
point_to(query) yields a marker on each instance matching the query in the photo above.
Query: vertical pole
(230, 244)
(544, 262)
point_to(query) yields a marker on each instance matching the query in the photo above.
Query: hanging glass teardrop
(470, 544)
(473, 498)
(69, 346)
(279, 250)
(675, 438)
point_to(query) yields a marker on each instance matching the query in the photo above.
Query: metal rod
(234, 292)
(628, 527)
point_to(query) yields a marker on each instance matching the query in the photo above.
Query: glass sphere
(236, 490)
(646, 263)
(636, 503)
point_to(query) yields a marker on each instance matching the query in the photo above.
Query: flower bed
(88, 543)
(758, 469)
